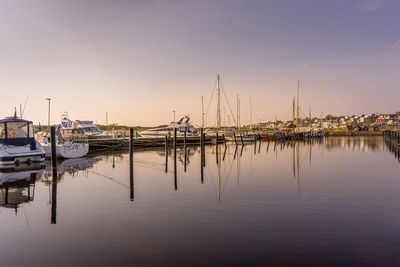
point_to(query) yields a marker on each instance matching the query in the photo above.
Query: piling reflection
(218, 165)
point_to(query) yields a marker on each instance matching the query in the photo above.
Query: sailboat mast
(218, 104)
(251, 115)
(309, 113)
(202, 112)
(238, 111)
(298, 107)
(294, 107)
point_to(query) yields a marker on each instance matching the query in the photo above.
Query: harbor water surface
(331, 202)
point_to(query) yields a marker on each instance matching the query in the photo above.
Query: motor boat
(80, 128)
(64, 149)
(18, 145)
(181, 126)
(239, 138)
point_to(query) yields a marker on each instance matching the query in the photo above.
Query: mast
(309, 114)
(298, 107)
(202, 112)
(218, 104)
(294, 107)
(251, 115)
(238, 111)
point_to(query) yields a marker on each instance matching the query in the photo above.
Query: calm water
(329, 203)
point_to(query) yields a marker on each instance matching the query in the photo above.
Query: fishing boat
(18, 145)
(80, 128)
(64, 149)
(181, 126)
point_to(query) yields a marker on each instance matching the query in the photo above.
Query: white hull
(68, 150)
(246, 139)
(11, 156)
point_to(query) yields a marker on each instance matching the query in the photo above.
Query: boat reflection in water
(18, 187)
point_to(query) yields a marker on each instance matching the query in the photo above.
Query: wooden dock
(99, 144)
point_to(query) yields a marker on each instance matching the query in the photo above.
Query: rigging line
(26, 217)
(223, 90)
(26, 100)
(110, 178)
(212, 180)
(228, 175)
(209, 103)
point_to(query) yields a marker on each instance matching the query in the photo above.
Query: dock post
(131, 163)
(255, 144)
(175, 175)
(166, 153)
(184, 147)
(201, 138)
(130, 141)
(204, 150)
(241, 138)
(234, 138)
(53, 147)
(131, 187)
(216, 146)
(201, 147)
(54, 180)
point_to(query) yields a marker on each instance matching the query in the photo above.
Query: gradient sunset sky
(139, 60)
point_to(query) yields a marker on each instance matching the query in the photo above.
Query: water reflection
(18, 187)
(320, 197)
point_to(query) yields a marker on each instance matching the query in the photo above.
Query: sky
(140, 60)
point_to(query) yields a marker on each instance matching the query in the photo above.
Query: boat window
(17, 129)
(2, 131)
(31, 130)
(92, 130)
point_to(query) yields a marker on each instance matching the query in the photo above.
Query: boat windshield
(16, 129)
(92, 129)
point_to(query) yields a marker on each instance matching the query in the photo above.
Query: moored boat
(64, 149)
(181, 126)
(18, 145)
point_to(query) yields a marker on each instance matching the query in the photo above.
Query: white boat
(64, 149)
(18, 145)
(181, 126)
(240, 138)
(78, 128)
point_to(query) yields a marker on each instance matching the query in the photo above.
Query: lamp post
(48, 119)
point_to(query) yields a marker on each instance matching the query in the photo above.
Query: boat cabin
(17, 132)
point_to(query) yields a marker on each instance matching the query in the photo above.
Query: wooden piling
(131, 141)
(234, 138)
(131, 189)
(185, 152)
(216, 146)
(54, 179)
(166, 153)
(53, 147)
(175, 174)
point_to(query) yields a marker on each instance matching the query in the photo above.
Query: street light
(48, 120)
